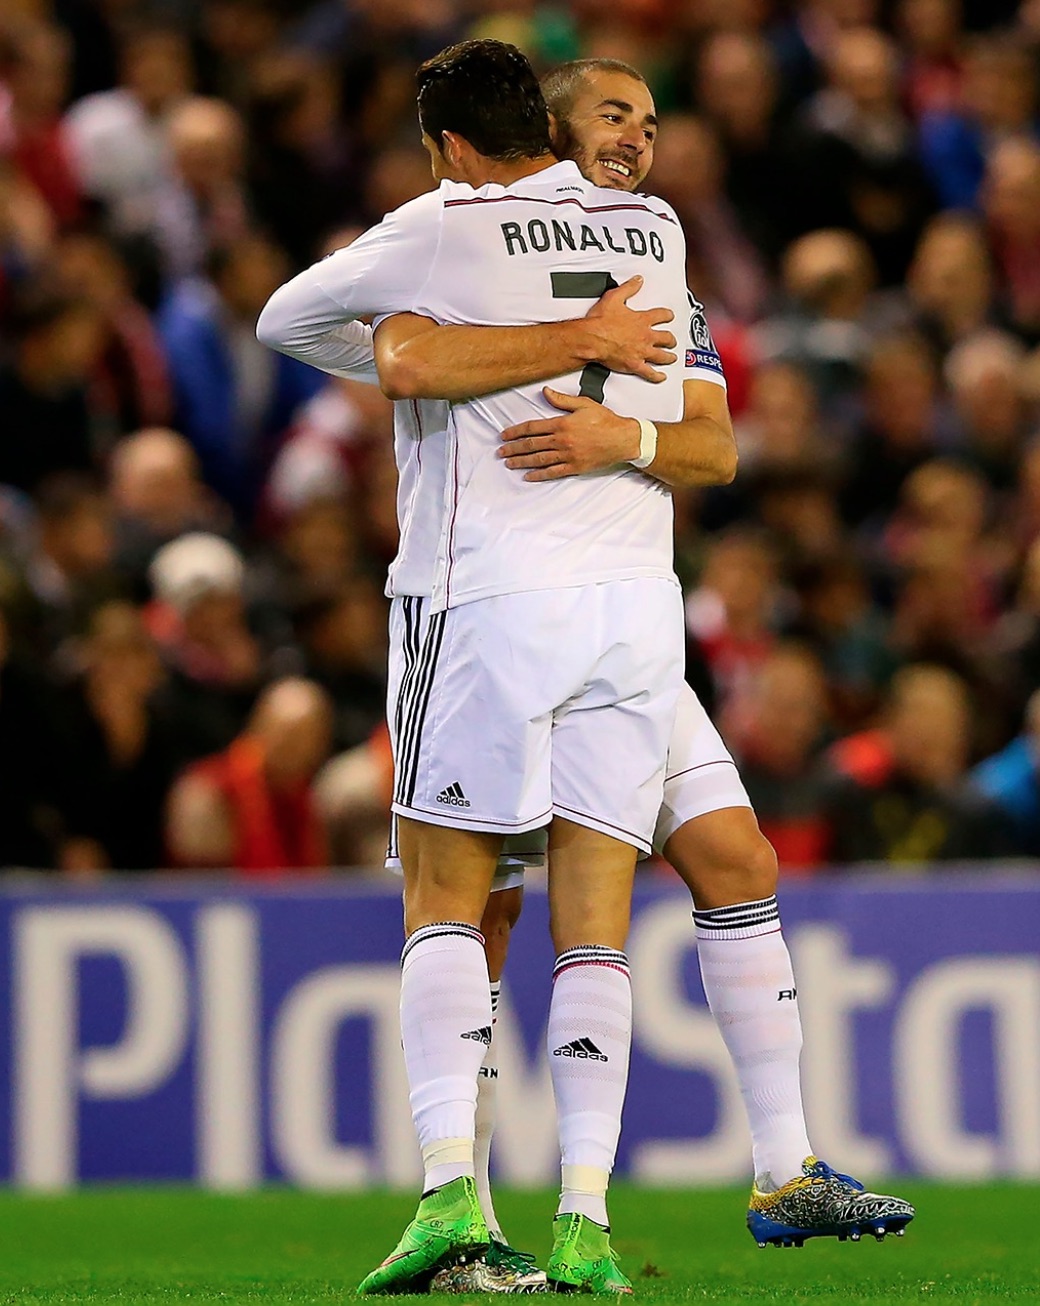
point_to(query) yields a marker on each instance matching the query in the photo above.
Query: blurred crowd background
(194, 532)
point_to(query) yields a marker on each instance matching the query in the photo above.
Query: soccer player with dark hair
(509, 124)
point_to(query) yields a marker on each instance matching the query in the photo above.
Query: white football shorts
(701, 776)
(520, 851)
(513, 709)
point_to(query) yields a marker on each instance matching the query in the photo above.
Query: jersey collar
(564, 171)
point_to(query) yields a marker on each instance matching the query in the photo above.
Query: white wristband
(647, 444)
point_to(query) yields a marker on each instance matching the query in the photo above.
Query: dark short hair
(486, 92)
(561, 85)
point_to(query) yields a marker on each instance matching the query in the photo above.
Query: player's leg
(445, 991)
(590, 1018)
(709, 833)
(458, 703)
(500, 915)
(608, 749)
(589, 1037)
(503, 1268)
(730, 870)
(514, 1270)
(445, 1033)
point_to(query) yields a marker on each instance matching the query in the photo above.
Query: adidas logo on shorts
(453, 796)
(583, 1048)
(479, 1035)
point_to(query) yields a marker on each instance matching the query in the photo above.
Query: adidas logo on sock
(479, 1035)
(453, 796)
(583, 1048)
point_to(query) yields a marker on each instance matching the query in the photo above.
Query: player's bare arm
(586, 437)
(420, 359)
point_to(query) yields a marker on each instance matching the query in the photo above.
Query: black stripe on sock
(734, 922)
(459, 928)
(739, 908)
(590, 953)
(740, 916)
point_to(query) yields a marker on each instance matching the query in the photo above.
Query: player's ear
(554, 130)
(451, 148)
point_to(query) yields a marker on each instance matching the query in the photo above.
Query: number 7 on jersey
(586, 285)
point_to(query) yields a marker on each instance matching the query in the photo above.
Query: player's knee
(740, 868)
(761, 868)
(748, 870)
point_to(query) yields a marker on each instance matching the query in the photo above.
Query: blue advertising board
(232, 1036)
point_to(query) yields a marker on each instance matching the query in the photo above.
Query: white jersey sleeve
(315, 316)
(701, 357)
(302, 321)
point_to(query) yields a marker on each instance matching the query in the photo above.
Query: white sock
(590, 1034)
(487, 1092)
(749, 984)
(446, 1030)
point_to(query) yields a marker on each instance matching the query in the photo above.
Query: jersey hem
(440, 604)
(702, 374)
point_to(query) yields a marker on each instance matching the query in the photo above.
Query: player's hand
(626, 339)
(585, 437)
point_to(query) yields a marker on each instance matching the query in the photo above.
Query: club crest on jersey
(700, 332)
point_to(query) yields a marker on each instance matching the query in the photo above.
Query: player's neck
(505, 172)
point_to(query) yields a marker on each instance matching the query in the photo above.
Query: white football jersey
(420, 451)
(540, 250)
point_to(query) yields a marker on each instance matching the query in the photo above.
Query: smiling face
(609, 131)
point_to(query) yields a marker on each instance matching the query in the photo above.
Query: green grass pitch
(968, 1245)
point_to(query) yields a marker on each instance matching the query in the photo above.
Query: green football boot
(448, 1228)
(582, 1259)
